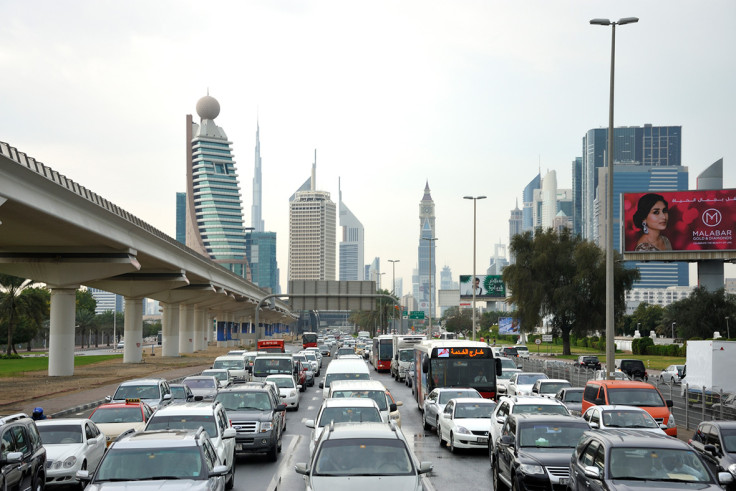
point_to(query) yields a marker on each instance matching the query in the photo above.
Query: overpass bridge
(55, 231)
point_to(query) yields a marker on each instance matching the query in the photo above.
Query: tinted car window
(635, 397)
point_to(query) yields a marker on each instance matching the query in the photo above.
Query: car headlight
(267, 426)
(732, 469)
(69, 462)
(463, 430)
(292, 393)
(531, 469)
(671, 421)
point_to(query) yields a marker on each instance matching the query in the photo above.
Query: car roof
(535, 373)
(199, 377)
(720, 424)
(121, 404)
(474, 400)
(628, 384)
(197, 407)
(158, 438)
(453, 389)
(62, 421)
(621, 437)
(532, 400)
(247, 388)
(362, 431)
(618, 407)
(553, 380)
(349, 402)
(139, 381)
(523, 419)
(357, 384)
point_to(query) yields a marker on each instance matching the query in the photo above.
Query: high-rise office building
(106, 301)
(515, 224)
(312, 224)
(351, 243)
(577, 189)
(256, 218)
(527, 212)
(181, 217)
(426, 284)
(214, 210)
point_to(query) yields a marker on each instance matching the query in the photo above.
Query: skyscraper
(351, 243)
(256, 219)
(515, 221)
(181, 217)
(423, 293)
(527, 220)
(214, 211)
(312, 224)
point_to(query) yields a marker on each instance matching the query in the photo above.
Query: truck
(403, 354)
(710, 365)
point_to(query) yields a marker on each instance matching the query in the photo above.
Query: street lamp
(728, 331)
(431, 244)
(673, 331)
(393, 288)
(610, 342)
(472, 281)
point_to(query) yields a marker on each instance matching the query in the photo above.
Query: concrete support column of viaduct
(200, 319)
(133, 351)
(186, 329)
(61, 333)
(170, 328)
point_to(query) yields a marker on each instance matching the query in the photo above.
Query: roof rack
(12, 417)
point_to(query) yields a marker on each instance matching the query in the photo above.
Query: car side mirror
(399, 403)
(13, 458)
(167, 397)
(229, 433)
(425, 365)
(82, 475)
(281, 407)
(198, 398)
(321, 385)
(599, 401)
(302, 468)
(392, 407)
(725, 478)
(218, 470)
(299, 387)
(592, 472)
(425, 467)
(309, 423)
(669, 403)
(108, 398)
(506, 440)
(595, 426)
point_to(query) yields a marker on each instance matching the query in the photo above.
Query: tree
(20, 305)
(459, 320)
(379, 318)
(648, 318)
(701, 314)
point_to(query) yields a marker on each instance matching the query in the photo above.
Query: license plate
(238, 446)
(564, 481)
(482, 439)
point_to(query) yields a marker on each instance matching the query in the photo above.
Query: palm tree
(19, 300)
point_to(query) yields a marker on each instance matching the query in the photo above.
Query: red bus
(271, 345)
(309, 340)
(383, 351)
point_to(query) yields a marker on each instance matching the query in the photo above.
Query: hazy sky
(472, 96)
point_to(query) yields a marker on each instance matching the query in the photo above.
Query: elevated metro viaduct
(54, 231)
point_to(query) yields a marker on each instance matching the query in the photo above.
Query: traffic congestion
(344, 411)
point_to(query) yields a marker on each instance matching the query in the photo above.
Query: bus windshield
(385, 349)
(460, 372)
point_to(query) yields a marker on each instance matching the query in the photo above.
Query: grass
(650, 361)
(11, 368)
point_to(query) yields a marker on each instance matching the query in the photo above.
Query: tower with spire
(256, 218)
(424, 289)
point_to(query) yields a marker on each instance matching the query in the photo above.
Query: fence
(689, 406)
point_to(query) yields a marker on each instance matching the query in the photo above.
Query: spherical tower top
(208, 107)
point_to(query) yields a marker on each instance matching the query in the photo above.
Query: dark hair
(645, 206)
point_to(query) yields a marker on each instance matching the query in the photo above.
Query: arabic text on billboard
(679, 221)
(486, 287)
(508, 325)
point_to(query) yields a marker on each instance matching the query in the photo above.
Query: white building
(655, 296)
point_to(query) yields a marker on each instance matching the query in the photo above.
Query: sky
(472, 97)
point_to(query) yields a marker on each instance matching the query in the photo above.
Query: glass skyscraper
(261, 252)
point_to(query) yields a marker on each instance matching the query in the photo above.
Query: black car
(633, 368)
(622, 459)
(533, 451)
(589, 361)
(509, 352)
(716, 443)
(22, 456)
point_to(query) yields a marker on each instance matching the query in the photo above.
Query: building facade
(426, 282)
(261, 252)
(352, 241)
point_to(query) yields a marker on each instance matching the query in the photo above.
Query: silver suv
(209, 415)
(153, 391)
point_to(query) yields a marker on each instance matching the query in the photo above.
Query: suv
(522, 351)
(175, 459)
(255, 412)
(633, 368)
(589, 361)
(509, 352)
(153, 391)
(22, 458)
(713, 440)
(209, 415)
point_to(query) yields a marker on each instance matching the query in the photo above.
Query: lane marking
(284, 465)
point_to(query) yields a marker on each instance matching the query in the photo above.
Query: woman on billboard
(651, 217)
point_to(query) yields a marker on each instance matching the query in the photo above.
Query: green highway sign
(416, 314)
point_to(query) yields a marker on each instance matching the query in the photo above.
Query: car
(342, 410)
(181, 393)
(572, 398)
(236, 365)
(71, 445)
(288, 390)
(161, 459)
(520, 405)
(548, 387)
(361, 455)
(254, 411)
(209, 415)
(318, 354)
(507, 363)
(203, 386)
(153, 391)
(673, 374)
(502, 380)
(633, 368)
(22, 456)
(303, 373)
(222, 376)
(344, 351)
(372, 389)
(589, 361)
(324, 349)
(533, 451)
(314, 361)
(522, 351)
(465, 423)
(715, 441)
(601, 375)
(509, 352)
(606, 417)
(520, 384)
(120, 345)
(343, 370)
(115, 418)
(727, 407)
(436, 400)
(637, 460)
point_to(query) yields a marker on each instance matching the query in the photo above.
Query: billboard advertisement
(487, 287)
(701, 220)
(508, 325)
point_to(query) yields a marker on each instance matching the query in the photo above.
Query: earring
(644, 227)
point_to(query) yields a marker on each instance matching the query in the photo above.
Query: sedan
(288, 390)
(521, 383)
(71, 445)
(205, 386)
(605, 417)
(435, 402)
(465, 423)
(572, 397)
(672, 374)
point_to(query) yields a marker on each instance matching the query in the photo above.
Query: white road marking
(285, 464)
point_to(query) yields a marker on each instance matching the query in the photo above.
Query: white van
(235, 364)
(346, 369)
(372, 389)
(272, 364)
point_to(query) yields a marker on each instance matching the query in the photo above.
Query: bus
(454, 363)
(383, 351)
(271, 345)
(309, 340)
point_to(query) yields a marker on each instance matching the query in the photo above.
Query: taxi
(114, 418)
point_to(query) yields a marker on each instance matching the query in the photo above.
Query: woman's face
(658, 216)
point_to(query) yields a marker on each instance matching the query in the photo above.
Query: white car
(672, 374)
(523, 351)
(288, 390)
(502, 380)
(372, 389)
(313, 361)
(342, 410)
(466, 423)
(548, 387)
(605, 417)
(71, 445)
(521, 383)
(436, 400)
(222, 376)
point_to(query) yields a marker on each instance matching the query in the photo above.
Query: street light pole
(472, 281)
(431, 244)
(728, 331)
(393, 289)
(673, 331)
(610, 342)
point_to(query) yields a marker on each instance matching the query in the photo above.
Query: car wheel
(451, 443)
(490, 455)
(514, 484)
(296, 408)
(439, 434)
(425, 425)
(498, 485)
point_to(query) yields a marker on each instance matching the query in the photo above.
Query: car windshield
(474, 410)
(529, 379)
(218, 375)
(628, 419)
(131, 414)
(244, 401)
(406, 355)
(729, 439)
(539, 409)
(552, 387)
(146, 464)
(200, 383)
(234, 364)
(178, 393)
(551, 435)
(635, 397)
(377, 395)
(349, 415)
(137, 392)
(363, 457)
(507, 363)
(446, 395)
(573, 396)
(60, 434)
(504, 375)
(184, 422)
(331, 377)
(590, 359)
(282, 382)
(264, 367)
(311, 357)
(657, 464)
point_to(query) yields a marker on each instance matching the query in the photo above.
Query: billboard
(701, 220)
(508, 325)
(487, 287)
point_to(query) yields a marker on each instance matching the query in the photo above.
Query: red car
(301, 374)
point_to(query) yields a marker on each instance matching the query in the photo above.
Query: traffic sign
(537, 341)
(547, 338)
(416, 314)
